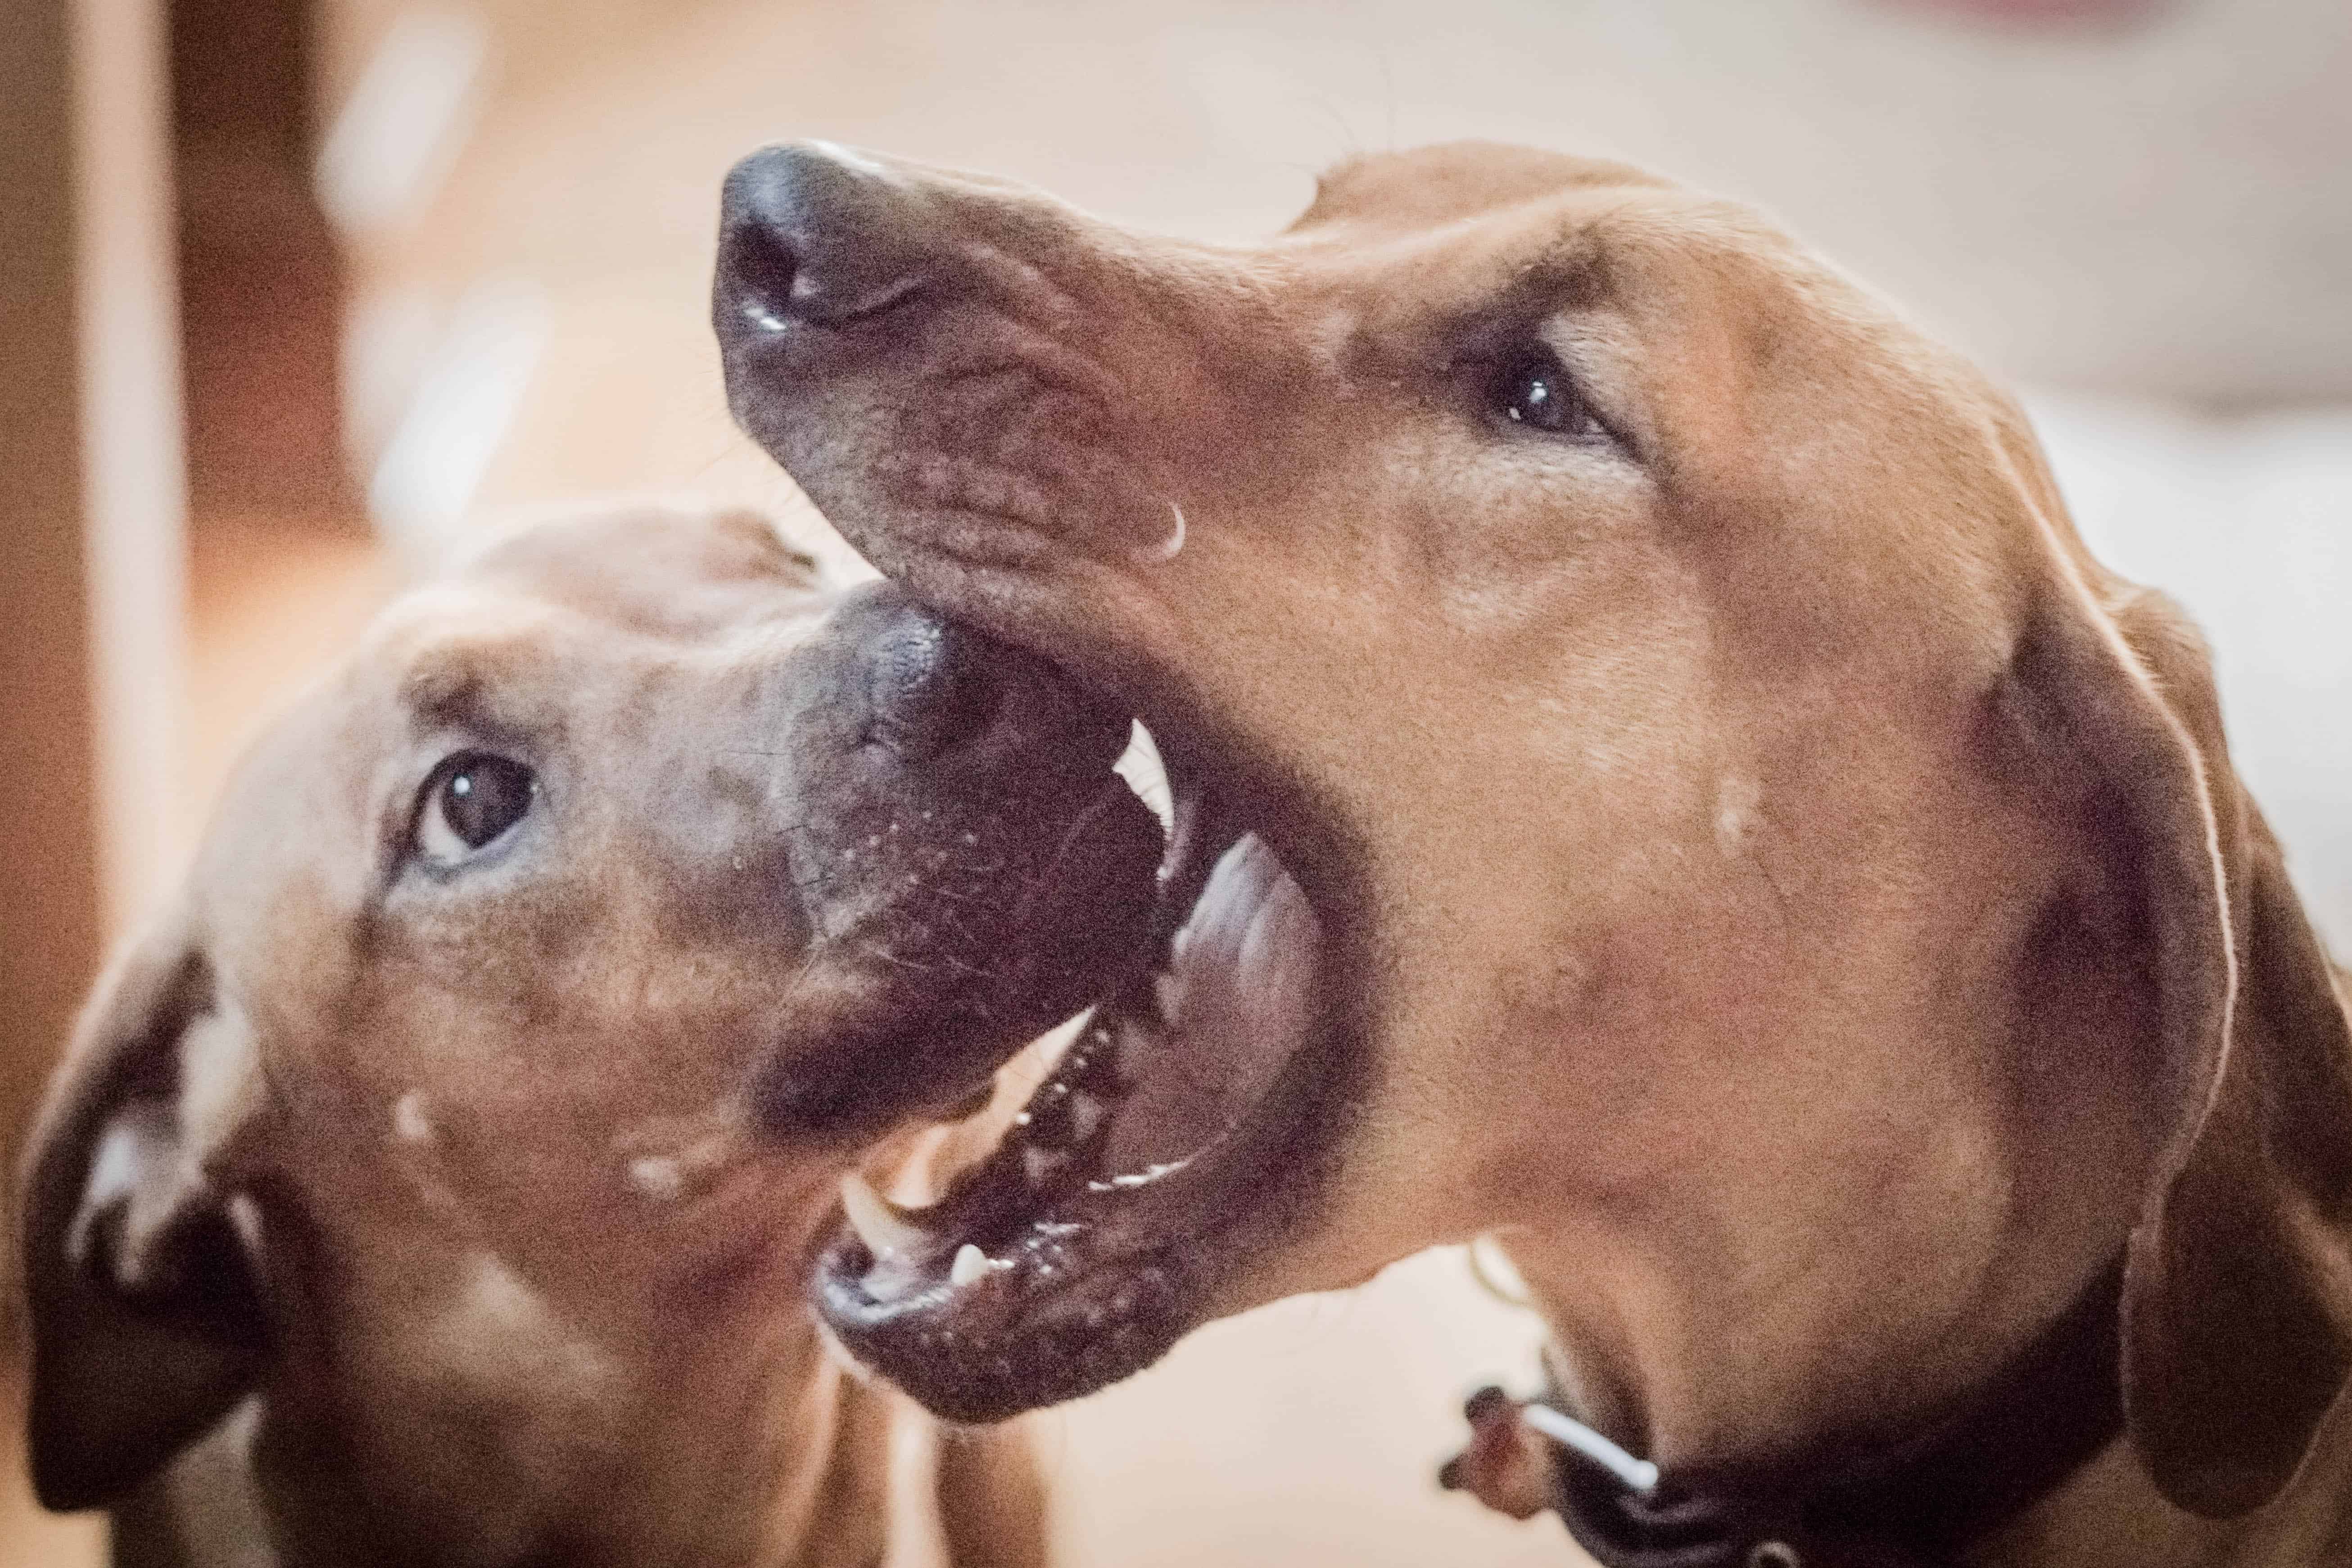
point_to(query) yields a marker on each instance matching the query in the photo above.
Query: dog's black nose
(814, 235)
(931, 685)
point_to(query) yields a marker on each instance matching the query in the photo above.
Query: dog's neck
(747, 1448)
(737, 1440)
(1714, 1337)
(1911, 1496)
(676, 1403)
(717, 1430)
(2031, 1471)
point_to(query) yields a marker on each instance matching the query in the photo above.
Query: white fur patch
(670, 1158)
(220, 1076)
(1736, 799)
(411, 1122)
(656, 1178)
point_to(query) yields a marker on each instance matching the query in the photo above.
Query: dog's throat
(2010, 1443)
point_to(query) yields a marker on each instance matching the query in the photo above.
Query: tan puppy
(465, 1128)
(1697, 812)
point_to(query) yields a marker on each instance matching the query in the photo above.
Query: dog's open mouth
(1172, 1133)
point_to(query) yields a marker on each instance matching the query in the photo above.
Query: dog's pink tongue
(1234, 1006)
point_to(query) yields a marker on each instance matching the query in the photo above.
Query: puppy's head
(1678, 795)
(540, 978)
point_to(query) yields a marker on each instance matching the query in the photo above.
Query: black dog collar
(1913, 1506)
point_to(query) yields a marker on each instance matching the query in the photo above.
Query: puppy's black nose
(814, 235)
(931, 685)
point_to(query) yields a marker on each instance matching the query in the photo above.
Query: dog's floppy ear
(145, 1317)
(2238, 1284)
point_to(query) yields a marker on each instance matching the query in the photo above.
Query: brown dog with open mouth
(1658, 779)
(437, 1182)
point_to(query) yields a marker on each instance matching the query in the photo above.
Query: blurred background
(295, 293)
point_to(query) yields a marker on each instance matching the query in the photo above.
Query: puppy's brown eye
(471, 801)
(1535, 390)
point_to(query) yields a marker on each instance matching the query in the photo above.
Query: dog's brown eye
(471, 801)
(1535, 390)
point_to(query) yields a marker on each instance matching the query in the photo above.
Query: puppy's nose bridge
(931, 685)
(817, 234)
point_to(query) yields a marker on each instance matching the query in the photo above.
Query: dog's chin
(1182, 1134)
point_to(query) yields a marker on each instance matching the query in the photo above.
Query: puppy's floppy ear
(2238, 1284)
(145, 1317)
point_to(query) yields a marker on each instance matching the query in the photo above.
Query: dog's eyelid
(1488, 337)
(1479, 371)
(1546, 295)
(1579, 341)
(423, 775)
(1492, 336)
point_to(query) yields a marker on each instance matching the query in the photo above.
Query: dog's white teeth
(1147, 776)
(970, 1263)
(1039, 1165)
(881, 1224)
(1087, 1114)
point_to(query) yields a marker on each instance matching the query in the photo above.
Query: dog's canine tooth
(881, 1224)
(970, 1263)
(1147, 776)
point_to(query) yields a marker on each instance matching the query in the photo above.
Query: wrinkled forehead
(1429, 187)
(1437, 242)
(673, 575)
(549, 619)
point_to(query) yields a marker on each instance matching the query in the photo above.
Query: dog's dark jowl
(936, 840)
